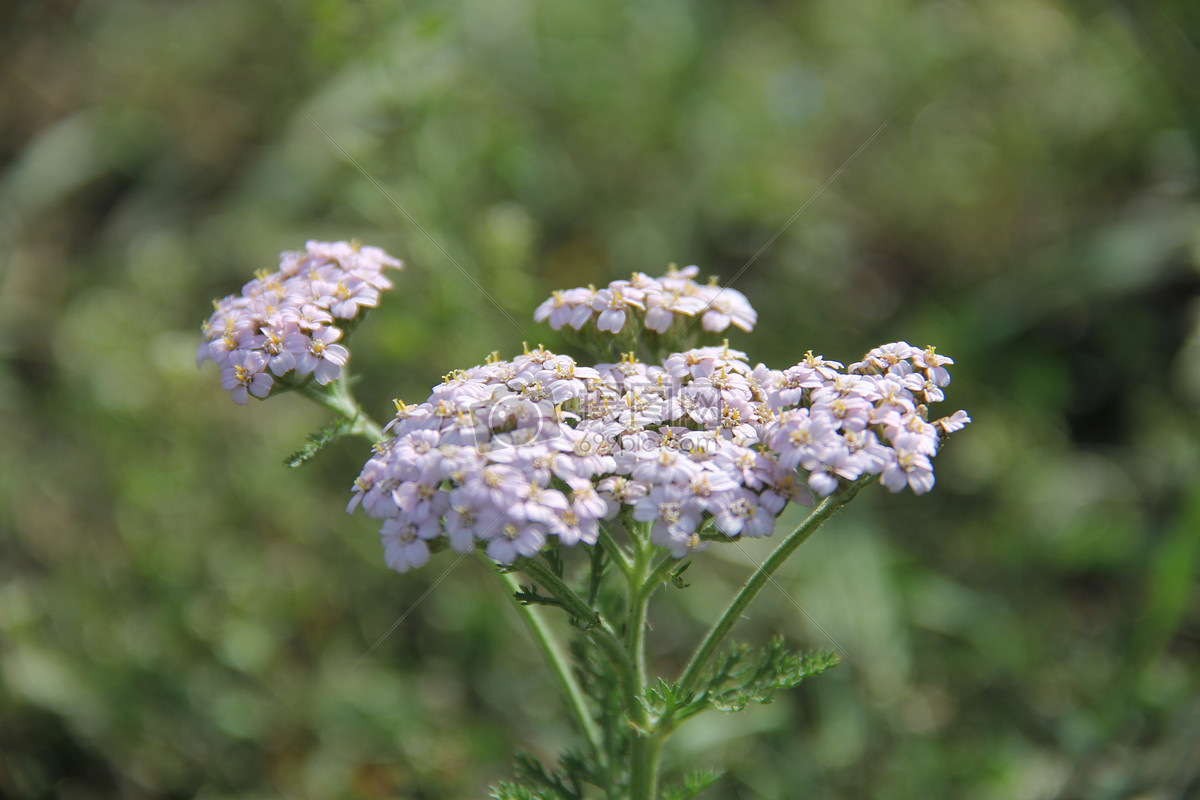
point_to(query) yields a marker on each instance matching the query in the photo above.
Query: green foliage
(677, 575)
(181, 617)
(554, 559)
(694, 784)
(741, 679)
(664, 697)
(530, 596)
(319, 441)
(562, 783)
(597, 572)
(512, 791)
(600, 683)
(741, 676)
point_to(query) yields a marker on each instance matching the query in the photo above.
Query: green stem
(643, 766)
(557, 661)
(338, 398)
(591, 621)
(637, 602)
(659, 574)
(646, 741)
(614, 551)
(754, 584)
(572, 602)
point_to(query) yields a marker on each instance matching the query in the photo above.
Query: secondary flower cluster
(510, 453)
(655, 302)
(289, 321)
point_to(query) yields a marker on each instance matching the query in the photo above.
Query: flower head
(513, 456)
(654, 303)
(289, 319)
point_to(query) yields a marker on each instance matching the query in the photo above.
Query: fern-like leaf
(694, 784)
(317, 442)
(742, 677)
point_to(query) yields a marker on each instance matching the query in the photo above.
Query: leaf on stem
(511, 791)
(693, 784)
(317, 442)
(664, 697)
(599, 681)
(596, 674)
(530, 596)
(537, 783)
(743, 676)
(554, 560)
(599, 568)
(677, 575)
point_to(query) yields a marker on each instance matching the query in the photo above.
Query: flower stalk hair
(667, 443)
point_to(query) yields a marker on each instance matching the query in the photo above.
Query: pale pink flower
(934, 365)
(663, 307)
(883, 358)
(955, 422)
(908, 468)
(318, 354)
(582, 300)
(404, 547)
(245, 376)
(512, 540)
(664, 466)
(836, 463)
(346, 295)
(674, 524)
(571, 528)
(679, 280)
(744, 517)
(613, 304)
(727, 306)
(556, 309)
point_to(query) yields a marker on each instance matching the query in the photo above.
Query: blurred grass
(181, 616)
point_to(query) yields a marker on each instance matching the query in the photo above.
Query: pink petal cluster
(655, 303)
(288, 321)
(511, 455)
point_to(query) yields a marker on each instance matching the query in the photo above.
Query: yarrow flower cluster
(644, 461)
(509, 454)
(289, 321)
(654, 302)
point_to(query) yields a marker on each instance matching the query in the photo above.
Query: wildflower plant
(670, 443)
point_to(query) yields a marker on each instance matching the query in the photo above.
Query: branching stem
(338, 398)
(644, 567)
(754, 584)
(591, 621)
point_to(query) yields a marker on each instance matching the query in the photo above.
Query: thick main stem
(643, 766)
(754, 584)
(637, 599)
(557, 661)
(646, 741)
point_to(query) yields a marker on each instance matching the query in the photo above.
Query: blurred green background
(180, 616)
